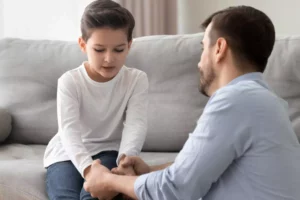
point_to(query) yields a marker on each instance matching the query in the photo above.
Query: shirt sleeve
(69, 123)
(135, 125)
(221, 136)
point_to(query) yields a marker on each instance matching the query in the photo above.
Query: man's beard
(206, 80)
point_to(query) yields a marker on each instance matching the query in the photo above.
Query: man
(243, 146)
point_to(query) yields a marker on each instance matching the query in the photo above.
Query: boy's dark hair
(249, 33)
(106, 14)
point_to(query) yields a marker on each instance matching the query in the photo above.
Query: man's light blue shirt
(243, 148)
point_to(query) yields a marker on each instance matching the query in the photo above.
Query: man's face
(206, 64)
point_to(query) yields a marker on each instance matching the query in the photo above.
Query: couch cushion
(22, 174)
(5, 124)
(283, 75)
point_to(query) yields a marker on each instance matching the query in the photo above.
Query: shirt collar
(253, 76)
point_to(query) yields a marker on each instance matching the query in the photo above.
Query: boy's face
(106, 50)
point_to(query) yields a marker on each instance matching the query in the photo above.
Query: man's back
(267, 165)
(243, 147)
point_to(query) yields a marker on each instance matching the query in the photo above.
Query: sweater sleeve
(135, 125)
(69, 123)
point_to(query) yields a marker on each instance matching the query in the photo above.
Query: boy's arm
(69, 123)
(134, 165)
(135, 125)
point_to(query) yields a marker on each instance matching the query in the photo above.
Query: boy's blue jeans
(64, 182)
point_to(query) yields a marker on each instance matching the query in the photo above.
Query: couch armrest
(5, 124)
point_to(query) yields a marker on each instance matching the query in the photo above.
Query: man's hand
(134, 162)
(86, 172)
(97, 181)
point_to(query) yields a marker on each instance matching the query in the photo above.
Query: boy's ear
(82, 44)
(129, 44)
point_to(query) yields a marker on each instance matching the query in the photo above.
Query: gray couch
(28, 78)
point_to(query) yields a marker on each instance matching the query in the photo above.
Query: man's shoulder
(244, 93)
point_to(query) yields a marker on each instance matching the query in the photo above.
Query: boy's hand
(99, 187)
(123, 169)
(136, 163)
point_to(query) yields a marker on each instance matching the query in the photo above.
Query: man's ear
(221, 48)
(82, 44)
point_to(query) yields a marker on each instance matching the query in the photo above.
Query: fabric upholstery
(22, 176)
(283, 75)
(5, 124)
(28, 79)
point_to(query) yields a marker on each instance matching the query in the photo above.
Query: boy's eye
(116, 50)
(99, 50)
(119, 50)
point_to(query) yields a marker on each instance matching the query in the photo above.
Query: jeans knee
(84, 195)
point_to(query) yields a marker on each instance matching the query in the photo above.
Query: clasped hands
(98, 178)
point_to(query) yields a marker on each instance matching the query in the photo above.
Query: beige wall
(36, 19)
(284, 13)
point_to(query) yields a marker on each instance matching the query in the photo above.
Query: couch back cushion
(29, 71)
(283, 75)
(28, 81)
(175, 103)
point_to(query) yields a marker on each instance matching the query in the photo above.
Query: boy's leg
(108, 159)
(63, 181)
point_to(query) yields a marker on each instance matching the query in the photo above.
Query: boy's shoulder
(72, 72)
(69, 76)
(134, 72)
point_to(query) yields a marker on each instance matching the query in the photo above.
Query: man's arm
(110, 183)
(160, 167)
(123, 184)
(221, 136)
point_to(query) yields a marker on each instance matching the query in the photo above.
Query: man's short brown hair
(249, 33)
